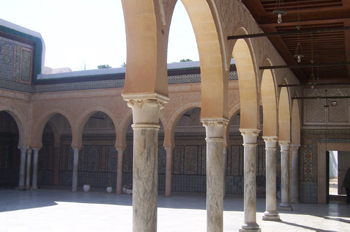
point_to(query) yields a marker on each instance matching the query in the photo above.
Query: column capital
(76, 148)
(169, 149)
(284, 145)
(36, 149)
(23, 147)
(214, 127)
(270, 141)
(29, 150)
(120, 148)
(145, 108)
(249, 135)
(295, 146)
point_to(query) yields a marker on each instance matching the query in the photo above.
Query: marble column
(295, 173)
(22, 168)
(35, 169)
(215, 178)
(119, 187)
(75, 169)
(271, 213)
(29, 166)
(168, 171)
(145, 108)
(249, 143)
(224, 169)
(285, 202)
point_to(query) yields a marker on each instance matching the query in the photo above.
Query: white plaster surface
(58, 209)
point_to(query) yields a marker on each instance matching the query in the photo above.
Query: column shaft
(120, 170)
(22, 168)
(145, 179)
(75, 169)
(215, 178)
(225, 170)
(271, 204)
(29, 165)
(250, 138)
(35, 169)
(295, 173)
(285, 203)
(168, 171)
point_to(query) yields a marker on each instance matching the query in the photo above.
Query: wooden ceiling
(323, 48)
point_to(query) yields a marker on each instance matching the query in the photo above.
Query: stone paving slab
(58, 209)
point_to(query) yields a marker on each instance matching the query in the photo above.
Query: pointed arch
(23, 128)
(269, 102)
(248, 85)
(214, 75)
(38, 127)
(77, 130)
(284, 115)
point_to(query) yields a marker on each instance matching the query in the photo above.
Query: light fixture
(334, 103)
(299, 51)
(279, 11)
(312, 80)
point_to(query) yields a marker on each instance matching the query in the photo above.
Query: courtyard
(59, 209)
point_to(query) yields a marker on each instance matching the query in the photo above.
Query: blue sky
(91, 32)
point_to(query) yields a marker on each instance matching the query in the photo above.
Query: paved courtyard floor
(58, 209)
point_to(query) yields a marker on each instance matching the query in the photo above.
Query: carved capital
(215, 127)
(145, 109)
(249, 135)
(270, 141)
(295, 148)
(284, 145)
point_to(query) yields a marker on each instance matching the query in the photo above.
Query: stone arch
(248, 85)
(214, 73)
(269, 101)
(77, 130)
(23, 130)
(284, 115)
(147, 38)
(38, 127)
(169, 140)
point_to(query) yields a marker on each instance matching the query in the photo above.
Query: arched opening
(235, 158)
(98, 157)
(189, 154)
(9, 153)
(55, 160)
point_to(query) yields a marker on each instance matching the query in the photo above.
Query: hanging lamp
(279, 11)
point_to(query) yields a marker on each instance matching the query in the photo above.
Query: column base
(21, 188)
(34, 188)
(285, 208)
(251, 227)
(250, 230)
(271, 216)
